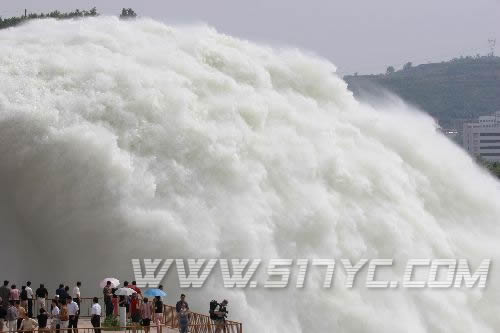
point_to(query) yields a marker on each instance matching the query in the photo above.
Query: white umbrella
(114, 282)
(125, 292)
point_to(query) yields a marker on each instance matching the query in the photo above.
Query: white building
(482, 138)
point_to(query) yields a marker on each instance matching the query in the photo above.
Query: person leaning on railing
(41, 296)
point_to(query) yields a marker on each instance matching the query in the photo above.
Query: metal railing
(199, 323)
(230, 327)
(85, 306)
(127, 329)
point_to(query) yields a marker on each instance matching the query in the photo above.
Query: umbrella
(155, 292)
(125, 292)
(114, 282)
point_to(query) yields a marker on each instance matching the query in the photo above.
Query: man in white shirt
(73, 314)
(76, 291)
(76, 295)
(30, 294)
(95, 314)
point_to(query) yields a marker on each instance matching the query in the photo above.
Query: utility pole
(492, 43)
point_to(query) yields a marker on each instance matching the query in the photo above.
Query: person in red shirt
(135, 312)
(137, 289)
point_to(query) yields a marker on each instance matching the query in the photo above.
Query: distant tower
(25, 12)
(492, 43)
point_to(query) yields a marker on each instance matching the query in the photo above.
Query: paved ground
(85, 323)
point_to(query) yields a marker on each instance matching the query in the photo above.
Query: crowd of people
(16, 308)
(63, 312)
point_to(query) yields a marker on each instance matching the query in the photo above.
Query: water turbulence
(123, 140)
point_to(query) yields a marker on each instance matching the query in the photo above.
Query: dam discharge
(123, 140)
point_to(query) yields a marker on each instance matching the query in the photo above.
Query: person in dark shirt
(63, 292)
(3, 314)
(60, 290)
(42, 318)
(4, 294)
(181, 303)
(24, 297)
(41, 296)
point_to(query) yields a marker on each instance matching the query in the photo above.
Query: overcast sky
(362, 36)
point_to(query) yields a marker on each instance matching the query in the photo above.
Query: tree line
(126, 13)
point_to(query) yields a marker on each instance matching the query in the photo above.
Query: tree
(13, 21)
(389, 70)
(407, 66)
(128, 13)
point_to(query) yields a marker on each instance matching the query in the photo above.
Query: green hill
(450, 91)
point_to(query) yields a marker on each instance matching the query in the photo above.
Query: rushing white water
(123, 140)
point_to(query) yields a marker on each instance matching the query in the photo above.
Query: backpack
(63, 316)
(24, 295)
(213, 306)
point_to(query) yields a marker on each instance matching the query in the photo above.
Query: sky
(363, 36)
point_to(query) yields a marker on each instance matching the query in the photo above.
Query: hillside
(450, 91)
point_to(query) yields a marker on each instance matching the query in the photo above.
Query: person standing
(22, 314)
(181, 303)
(116, 305)
(73, 311)
(135, 312)
(24, 297)
(146, 314)
(158, 315)
(184, 316)
(64, 314)
(136, 289)
(14, 293)
(3, 314)
(11, 317)
(122, 304)
(60, 291)
(220, 323)
(106, 291)
(42, 320)
(41, 297)
(30, 295)
(95, 314)
(5, 295)
(127, 305)
(76, 294)
(55, 323)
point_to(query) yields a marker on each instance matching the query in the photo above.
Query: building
(482, 138)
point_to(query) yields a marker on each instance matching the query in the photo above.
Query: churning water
(123, 140)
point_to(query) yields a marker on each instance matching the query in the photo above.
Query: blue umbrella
(155, 292)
